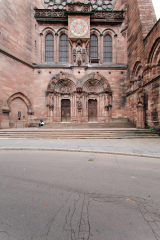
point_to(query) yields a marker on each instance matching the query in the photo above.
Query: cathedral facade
(79, 61)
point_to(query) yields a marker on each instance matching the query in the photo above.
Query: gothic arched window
(93, 47)
(49, 48)
(107, 49)
(63, 48)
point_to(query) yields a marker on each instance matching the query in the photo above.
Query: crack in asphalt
(73, 216)
(52, 220)
(149, 210)
(152, 217)
(6, 234)
(77, 222)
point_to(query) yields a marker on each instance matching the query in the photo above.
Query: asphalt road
(78, 196)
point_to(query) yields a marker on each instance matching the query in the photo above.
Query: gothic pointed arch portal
(83, 100)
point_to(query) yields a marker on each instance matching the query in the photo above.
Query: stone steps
(87, 125)
(77, 134)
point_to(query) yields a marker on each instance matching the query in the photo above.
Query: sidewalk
(133, 147)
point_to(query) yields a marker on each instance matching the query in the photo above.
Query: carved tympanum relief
(64, 86)
(93, 86)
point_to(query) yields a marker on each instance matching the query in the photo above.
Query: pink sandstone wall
(15, 77)
(16, 27)
(20, 37)
(16, 51)
(141, 19)
(116, 78)
(151, 80)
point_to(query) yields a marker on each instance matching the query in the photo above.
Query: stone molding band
(109, 15)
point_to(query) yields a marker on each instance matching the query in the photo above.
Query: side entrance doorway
(92, 110)
(65, 110)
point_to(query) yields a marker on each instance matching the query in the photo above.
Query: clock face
(79, 28)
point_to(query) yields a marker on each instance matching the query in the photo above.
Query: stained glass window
(93, 47)
(63, 48)
(107, 49)
(49, 48)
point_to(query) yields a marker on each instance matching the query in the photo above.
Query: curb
(81, 150)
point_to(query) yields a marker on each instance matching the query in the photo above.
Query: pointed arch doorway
(92, 110)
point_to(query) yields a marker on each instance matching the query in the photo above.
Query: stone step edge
(61, 130)
(82, 134)
(118, 137)
(80, 150)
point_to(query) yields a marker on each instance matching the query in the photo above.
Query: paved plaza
(134, 147)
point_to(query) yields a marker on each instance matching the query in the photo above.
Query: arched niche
(18, 107)
(23, 98)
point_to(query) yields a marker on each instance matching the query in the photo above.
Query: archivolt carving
(66, 83)
(63, 83)
(156, 56)
(65, 86)
(93, 86)
(94, 82)
(137, 74)
(153, 53)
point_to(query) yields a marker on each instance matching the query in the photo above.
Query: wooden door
(65, 110)
(92, 110)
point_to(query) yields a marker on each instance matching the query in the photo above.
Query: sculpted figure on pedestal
(140, 109)
(140, 97)
(79, 104)
(50, 101)
(79, 55)
(74, 55)
(108, 102)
